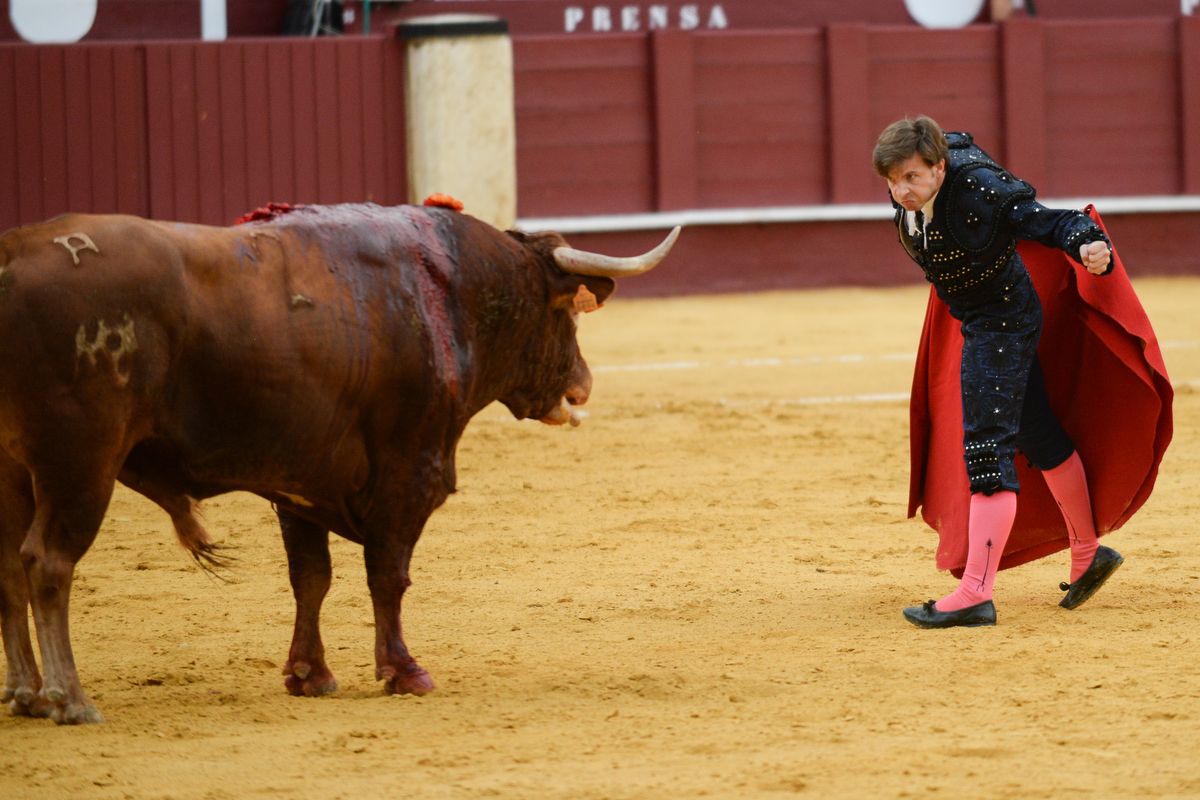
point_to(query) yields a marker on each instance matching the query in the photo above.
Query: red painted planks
(305, 161)
(325, 119)
(851, 130)
(674, 104)
(1111, 103)
(348, 90)
(205, 165)
(1189, 76)
(52, 110)
(233, 134)
(373, 108)
(10, 184)
(256, 115)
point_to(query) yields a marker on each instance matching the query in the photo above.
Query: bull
(327, 359)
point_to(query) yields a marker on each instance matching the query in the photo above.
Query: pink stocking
(991, 520)
(1068, 484)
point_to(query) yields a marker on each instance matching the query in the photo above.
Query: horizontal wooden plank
(802, 48)
(548, 127)
(771, 83)
(557, 53)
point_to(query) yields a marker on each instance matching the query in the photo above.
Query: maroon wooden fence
(198, 131)
(621, 123)
(675, 120)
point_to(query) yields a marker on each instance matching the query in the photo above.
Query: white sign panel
(944, 13)
(45, 21)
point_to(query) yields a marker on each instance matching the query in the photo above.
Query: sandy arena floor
(697, 593)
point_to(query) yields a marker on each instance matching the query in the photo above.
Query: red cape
(1106, 382)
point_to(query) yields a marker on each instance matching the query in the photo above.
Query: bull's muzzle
(567, 410)
(563, 414)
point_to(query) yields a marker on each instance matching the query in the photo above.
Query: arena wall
(750, 138)
(198, 131)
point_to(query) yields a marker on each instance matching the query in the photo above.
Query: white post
(461, 126)
(212, 20)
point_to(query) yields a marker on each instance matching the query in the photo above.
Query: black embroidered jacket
(968, 250)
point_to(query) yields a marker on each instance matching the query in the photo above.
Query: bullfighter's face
(913, 183)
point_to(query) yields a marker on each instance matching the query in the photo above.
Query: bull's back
(241, 348)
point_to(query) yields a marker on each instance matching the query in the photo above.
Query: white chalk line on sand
(800, 361)
(821, 400)
(750, 363)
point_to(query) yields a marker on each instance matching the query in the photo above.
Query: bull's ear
(582, 292)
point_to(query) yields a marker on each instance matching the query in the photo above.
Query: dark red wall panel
(235, 125)
(72, 130)
(624, 123)
(953, 76)
(1114, 126)
(585, 125)
(199, 131)
(1189, 75)
(761, 119)
(11, 189)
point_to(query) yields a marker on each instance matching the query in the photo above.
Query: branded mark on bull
(85, 243)
(119, 342)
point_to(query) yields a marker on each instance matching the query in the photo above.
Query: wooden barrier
(638, 123)
(199, 132)
(705, 119)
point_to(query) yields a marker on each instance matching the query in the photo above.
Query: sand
(696, 593)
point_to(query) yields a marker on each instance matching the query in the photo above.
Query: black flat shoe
(1103, 565)
(927, 616)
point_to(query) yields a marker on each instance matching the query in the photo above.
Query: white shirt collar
(911, 216)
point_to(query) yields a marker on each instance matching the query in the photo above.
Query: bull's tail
(185, 516)
(208, 555)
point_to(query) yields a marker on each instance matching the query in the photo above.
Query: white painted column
(461, 126)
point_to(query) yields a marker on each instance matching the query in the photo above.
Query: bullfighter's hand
(1094, 256)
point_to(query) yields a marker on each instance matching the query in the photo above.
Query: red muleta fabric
(1106, 382)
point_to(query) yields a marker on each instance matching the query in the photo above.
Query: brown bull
(326, 359)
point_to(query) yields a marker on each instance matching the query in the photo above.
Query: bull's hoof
(65, 710)
(410, 679)
(76, 714)
(303, 681)
(27, 702)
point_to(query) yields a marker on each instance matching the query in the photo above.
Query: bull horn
(581, 262)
